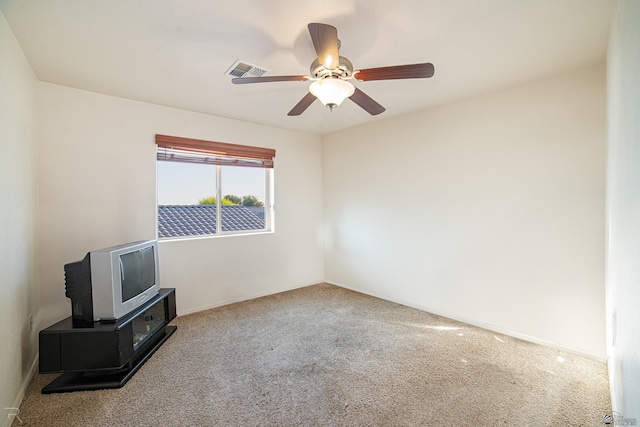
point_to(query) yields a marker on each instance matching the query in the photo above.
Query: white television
(110, 283)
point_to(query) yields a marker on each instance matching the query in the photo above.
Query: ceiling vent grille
(244, 69)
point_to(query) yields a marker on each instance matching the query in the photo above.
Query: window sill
(214, 236)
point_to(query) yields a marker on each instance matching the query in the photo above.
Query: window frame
(219, 154)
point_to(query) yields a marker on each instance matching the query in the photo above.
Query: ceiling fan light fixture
(331, 91)
(331, 74)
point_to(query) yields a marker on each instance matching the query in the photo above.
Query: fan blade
(413, 71)
(368, 104)
(325, 41)
(268, 79)
(302, 105)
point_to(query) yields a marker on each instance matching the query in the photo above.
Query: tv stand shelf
(108, 354)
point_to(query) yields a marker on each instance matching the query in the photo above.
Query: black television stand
(108, 354)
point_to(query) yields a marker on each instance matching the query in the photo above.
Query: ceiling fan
(331, 73)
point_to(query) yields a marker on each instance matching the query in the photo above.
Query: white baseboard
(246, 298)
(482, 325)
(21, 392)
(490, 327)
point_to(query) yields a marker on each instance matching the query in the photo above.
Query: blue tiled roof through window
(195, 220)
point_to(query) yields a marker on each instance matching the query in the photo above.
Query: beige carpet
(326, 356)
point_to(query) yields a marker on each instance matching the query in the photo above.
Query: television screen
(137, 272)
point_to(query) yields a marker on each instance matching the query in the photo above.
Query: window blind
(188, 150)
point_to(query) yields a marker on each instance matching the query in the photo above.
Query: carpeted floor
(326, 356)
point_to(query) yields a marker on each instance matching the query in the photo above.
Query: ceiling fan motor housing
(344, 70)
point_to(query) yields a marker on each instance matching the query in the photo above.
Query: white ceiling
(175, 53)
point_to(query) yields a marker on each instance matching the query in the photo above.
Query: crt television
(109, 283)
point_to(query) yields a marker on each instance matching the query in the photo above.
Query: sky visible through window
(187, 183)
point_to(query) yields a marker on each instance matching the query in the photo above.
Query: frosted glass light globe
(331, 91)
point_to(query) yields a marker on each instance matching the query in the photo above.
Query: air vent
(244, 69)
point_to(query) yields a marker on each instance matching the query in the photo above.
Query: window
(193, 175)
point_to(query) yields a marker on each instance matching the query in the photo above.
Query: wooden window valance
(188, 150)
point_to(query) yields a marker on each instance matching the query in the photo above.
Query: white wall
(18, 213)
(489, 210)
(98, 188)
(623, 209)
